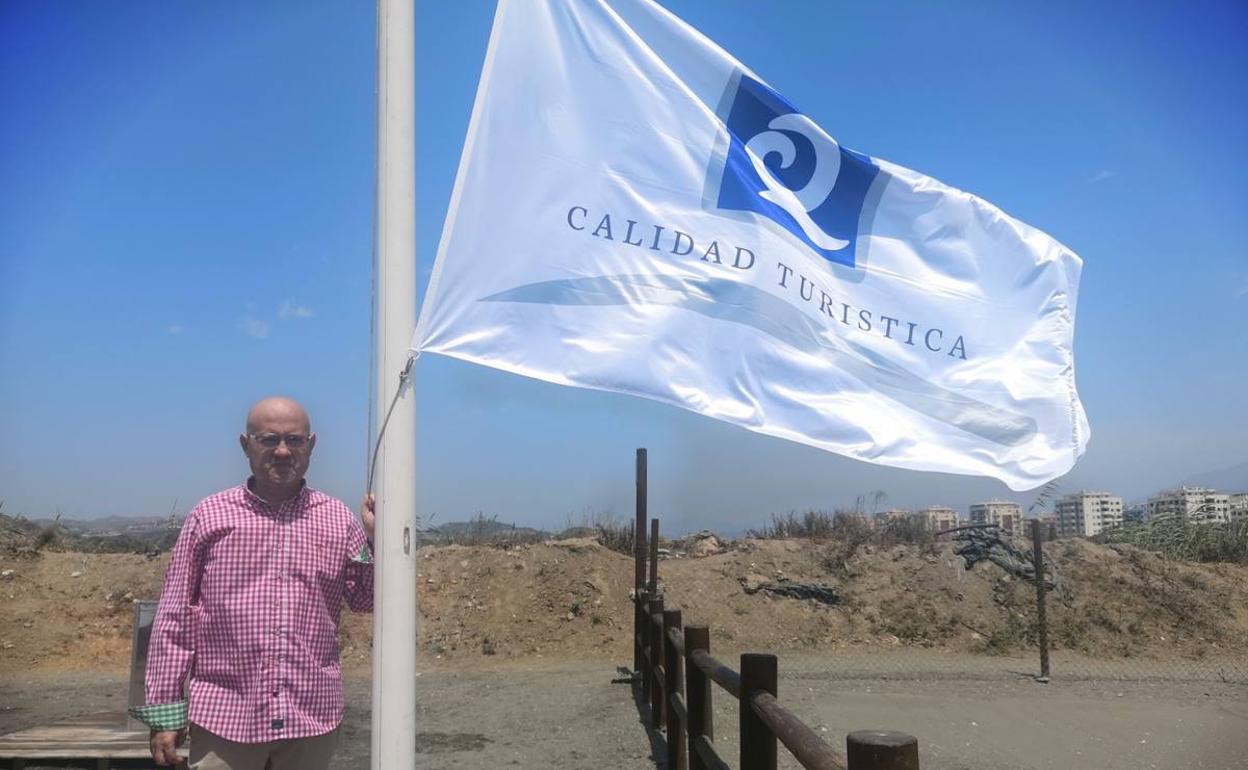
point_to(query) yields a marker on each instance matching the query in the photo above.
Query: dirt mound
(566, 598)
(1123, 601)
(483, 606)
(72, 610)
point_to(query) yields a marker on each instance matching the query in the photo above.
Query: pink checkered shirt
(249, 612)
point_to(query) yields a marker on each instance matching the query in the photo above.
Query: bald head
(278, 442)
(277, 409)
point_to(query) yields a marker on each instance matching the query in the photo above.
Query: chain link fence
(903, 602)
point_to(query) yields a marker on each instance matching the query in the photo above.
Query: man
(249, 612)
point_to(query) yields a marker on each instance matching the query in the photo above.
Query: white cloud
(253, 327)
(1102, 175)
(291, 309)
(174, 329)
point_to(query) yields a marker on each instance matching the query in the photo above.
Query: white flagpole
(394, 606)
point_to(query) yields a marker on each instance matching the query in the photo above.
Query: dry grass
(1187, 541)
(615, 535)
(845, 532)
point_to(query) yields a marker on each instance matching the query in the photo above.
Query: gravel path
(570, 716)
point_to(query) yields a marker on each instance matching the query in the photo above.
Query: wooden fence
(677, 676)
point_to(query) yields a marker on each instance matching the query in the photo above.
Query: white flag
(636, 211)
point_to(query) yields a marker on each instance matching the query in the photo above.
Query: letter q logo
(781, 165)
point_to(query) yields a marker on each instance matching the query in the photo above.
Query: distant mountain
(479, 530)
(116, 524)
(1232, 479)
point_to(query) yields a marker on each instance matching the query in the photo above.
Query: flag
(636, 211)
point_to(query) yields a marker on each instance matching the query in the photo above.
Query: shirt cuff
(163, 716)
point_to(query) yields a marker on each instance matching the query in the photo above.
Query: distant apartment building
(1238, 506)
(938, 518)
(1135, 513)
(884, 518)
(1195, 505)
(1006, 515)
(1084, 514)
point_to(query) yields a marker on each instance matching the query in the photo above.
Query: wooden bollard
(758, 743)
(698, 688)
(673, 678)
(656, 660)
(881, 750)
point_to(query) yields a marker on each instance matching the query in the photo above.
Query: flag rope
(404, 376)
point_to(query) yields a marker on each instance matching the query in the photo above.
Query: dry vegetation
(488, 605)
(1187, 542)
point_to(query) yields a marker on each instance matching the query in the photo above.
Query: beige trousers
(212, 752)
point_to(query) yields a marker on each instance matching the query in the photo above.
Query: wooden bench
(95, 738)
(102, 738)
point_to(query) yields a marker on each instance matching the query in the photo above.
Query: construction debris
(819, 592)
(984, 543)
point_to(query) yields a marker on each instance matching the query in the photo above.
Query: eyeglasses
(274, 440)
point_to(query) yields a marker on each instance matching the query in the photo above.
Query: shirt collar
(295, 502)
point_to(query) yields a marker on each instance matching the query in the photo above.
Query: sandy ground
(570, 716)
(518, 647)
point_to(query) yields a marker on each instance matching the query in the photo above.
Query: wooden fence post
(656, 660)
(698, 688)
(639, 559)
(881, 750)
(1037, 553)
(643, 628)
(673, 678)
(758, 743)
(654, 557)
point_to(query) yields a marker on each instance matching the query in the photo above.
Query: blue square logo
(781, 165)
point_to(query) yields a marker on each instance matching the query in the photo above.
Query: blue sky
(186, 223)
